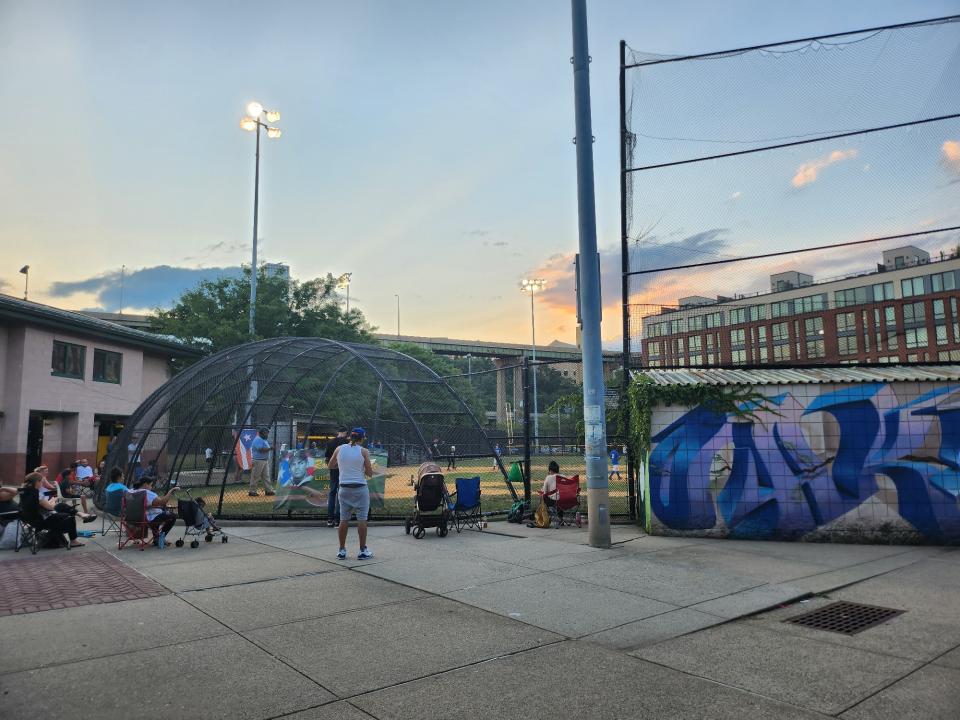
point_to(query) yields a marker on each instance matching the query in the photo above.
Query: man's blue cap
(359, 432)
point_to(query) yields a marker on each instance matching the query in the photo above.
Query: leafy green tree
(214, 315)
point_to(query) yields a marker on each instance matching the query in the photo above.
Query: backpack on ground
(515, 513)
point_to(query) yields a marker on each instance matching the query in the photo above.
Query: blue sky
(426, 145)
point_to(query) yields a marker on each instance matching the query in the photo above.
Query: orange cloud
(809, 171)
(951, 154)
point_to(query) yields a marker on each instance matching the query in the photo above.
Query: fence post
(526, 435)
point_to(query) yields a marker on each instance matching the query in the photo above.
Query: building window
(883, 291)
(737, 337)
(748, 314)
(781, 309)
(696, 322)
(956, 320)
(813, 327)
(780, 332)
(846, 322)
(107, 366)
(714, 320)
(911, 286)
(915, 337)
(781, 352)
(68, 360)
(762, 343)
(653, 348)
(847, 344)
(815, 349)
(811, 303)
(914, 313)
(943, 281)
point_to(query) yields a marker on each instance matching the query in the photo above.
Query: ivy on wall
(644, 395)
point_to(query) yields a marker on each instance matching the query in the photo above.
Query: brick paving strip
(70, 579)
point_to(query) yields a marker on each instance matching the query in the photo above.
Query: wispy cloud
(150, 287)
(808, 172)
(476, 233)
(950, 155)
(559, 297)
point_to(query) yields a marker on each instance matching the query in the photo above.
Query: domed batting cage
(197, 430)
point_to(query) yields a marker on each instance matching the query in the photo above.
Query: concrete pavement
(514, 622)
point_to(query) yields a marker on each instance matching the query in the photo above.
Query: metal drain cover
(845, 617)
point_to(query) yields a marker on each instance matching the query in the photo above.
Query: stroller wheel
(442, 531)
(419, 532)
(223, 539)
(179, 543)
(208, 538)
(195, 544)
(406, 526)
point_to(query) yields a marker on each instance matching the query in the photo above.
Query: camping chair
(466, 506)
(30, 531)
(133, 520)
(568, 501)
(112, 509)
(73, 500)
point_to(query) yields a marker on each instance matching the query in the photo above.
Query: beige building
(68, 382)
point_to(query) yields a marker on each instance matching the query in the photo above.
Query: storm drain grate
(845, 617)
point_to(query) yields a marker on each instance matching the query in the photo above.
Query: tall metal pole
(595, 432)
(398, 316)
(625, 278)
(123, 269)
(253, 262)
(533, 348)
(527, 466)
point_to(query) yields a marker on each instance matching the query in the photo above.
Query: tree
(214, 315)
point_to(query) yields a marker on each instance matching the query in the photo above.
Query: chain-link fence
(199, 430)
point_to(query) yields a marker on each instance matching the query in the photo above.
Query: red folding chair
(568, 501)
(134, 527)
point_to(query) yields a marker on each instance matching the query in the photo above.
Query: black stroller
(430, 504)
(196, 521)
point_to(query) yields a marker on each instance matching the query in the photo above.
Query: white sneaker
(342, 554)
(365, 554)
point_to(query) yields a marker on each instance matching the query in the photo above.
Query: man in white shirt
(84, 473)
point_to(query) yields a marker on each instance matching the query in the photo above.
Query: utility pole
(594, 417)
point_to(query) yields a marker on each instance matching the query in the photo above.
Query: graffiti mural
(871, 461)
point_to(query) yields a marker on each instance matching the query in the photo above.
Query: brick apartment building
(905, 311)
(68, 382)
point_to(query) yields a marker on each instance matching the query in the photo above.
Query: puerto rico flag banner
(243, 450)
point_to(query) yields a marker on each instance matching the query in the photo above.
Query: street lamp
(533, 286)
(25, 271)
(252, 123)
(398, 316)
(344, 282)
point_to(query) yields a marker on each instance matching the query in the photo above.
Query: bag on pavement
(542, 517)
(515, 514)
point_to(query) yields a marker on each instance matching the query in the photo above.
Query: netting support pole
(594, 396)
(625, 280)
(527, 468)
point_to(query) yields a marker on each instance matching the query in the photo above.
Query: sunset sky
(426, 149)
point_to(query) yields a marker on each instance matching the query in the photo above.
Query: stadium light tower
(253, 121)
(343, 282)
(533, 286)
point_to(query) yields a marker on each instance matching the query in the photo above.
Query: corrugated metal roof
(815, 375)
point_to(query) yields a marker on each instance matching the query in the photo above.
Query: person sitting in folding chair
(70, 489)
(550, 491)
(41, 512)
(159, 517)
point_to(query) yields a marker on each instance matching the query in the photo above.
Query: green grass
(398, 499)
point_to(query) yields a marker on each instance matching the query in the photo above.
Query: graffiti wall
(867, 462)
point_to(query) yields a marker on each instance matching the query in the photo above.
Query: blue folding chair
(465, 507)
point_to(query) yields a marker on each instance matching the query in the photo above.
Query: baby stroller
(197, 521)
(430, 504)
